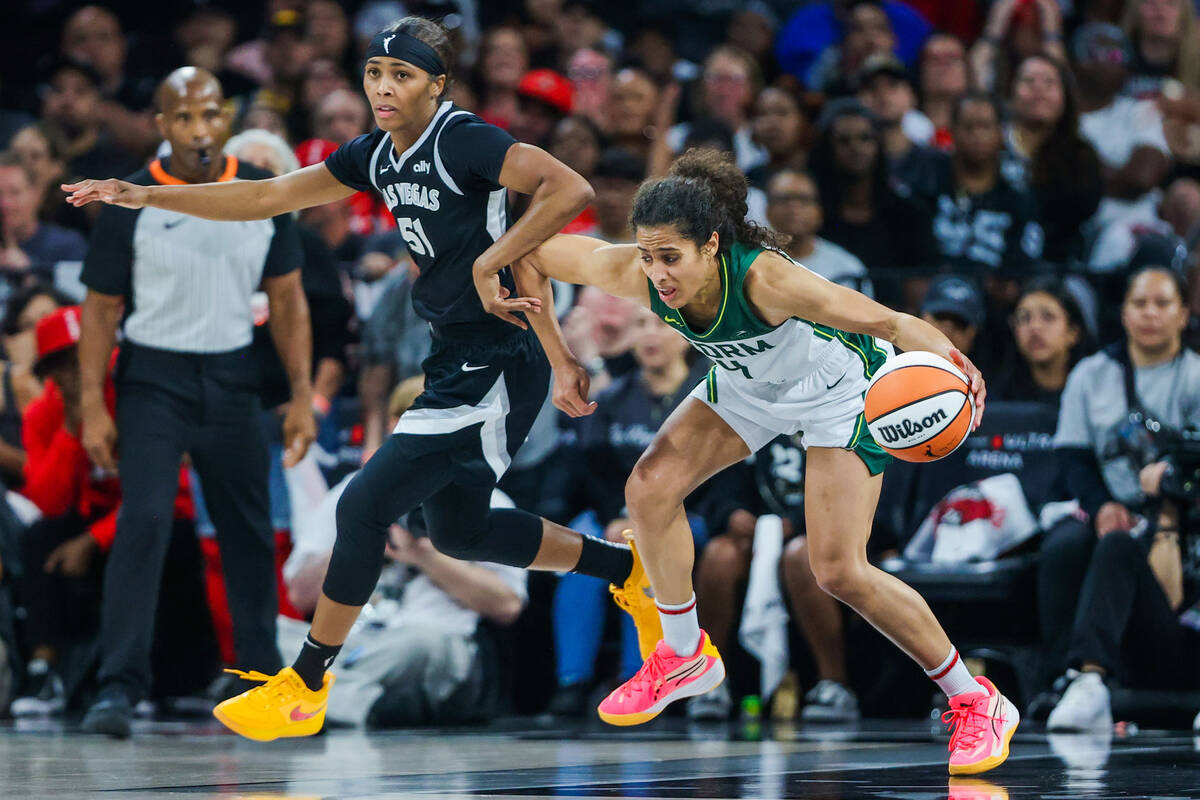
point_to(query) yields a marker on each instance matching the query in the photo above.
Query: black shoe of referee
(111, 714)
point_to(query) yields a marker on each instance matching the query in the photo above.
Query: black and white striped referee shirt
(187, 281)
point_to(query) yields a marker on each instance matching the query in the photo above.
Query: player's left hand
(299, 431)
(975, 377)
(571, 385)
(498, 300)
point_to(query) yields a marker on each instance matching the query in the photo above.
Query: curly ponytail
(703, 192)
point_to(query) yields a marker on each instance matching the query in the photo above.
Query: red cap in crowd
(549, 87)
(314, 151)
(57, 331)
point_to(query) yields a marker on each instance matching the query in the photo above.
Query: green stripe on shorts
(866, 448)
(711, 380)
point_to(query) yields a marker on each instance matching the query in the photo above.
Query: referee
(187, 383)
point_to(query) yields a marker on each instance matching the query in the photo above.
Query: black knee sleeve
(503, 536)
(358, 550)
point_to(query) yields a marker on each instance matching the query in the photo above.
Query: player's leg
(508, 536)
(402, 473)
(840, 497)
(839, 504)
(394, 481)
(693, 444)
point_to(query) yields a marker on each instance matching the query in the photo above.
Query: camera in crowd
(1144, 440)
(1181, 481)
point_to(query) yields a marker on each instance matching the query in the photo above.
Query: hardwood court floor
(535, 758)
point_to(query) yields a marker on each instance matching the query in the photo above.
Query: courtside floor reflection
(537, 758)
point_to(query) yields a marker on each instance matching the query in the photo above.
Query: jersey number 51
(414, 236)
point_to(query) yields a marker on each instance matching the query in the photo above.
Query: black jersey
(993, 232)
(445, 194)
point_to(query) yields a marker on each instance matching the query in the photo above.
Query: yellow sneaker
(637, 599)
(282, 706)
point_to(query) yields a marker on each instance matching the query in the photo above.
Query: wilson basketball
(919, 407)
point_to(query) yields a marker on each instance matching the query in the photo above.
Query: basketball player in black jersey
(444, 174)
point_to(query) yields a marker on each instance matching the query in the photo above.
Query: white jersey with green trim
(746, 350)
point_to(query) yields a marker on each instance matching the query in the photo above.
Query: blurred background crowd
(1025, 174)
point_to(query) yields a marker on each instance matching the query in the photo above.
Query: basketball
(919, 407)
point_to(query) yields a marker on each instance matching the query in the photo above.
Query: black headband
(387, 44)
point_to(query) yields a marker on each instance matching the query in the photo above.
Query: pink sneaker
(981, 726)
(663, 679)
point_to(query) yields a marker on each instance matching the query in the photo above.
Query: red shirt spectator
(369, 214)
(59, 477)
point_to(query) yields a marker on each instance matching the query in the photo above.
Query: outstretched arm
(227, 200)
(778, 290)
(612, 268)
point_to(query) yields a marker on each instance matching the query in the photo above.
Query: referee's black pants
(207, 406)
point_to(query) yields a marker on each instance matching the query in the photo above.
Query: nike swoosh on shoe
(299, 716)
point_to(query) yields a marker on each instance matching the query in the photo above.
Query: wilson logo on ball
(918, 406)
(908, 428)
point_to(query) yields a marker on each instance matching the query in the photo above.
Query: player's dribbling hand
(571, 385)
(498, 300)
(978, 389)
(112, 191)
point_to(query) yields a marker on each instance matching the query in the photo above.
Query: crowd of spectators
(1025, 174)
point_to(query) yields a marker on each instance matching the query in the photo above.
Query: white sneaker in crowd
(44, 695)
(1086, 705)
(830, 701)
(713, 706)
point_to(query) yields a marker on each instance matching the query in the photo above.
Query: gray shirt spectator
(1094, 408)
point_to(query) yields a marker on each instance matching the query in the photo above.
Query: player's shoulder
(456, 116)
(461, 124)
(765, 264)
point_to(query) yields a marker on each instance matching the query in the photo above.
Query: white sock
(681, 629)
(952, 676)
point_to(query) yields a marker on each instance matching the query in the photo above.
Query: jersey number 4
(414, 236)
